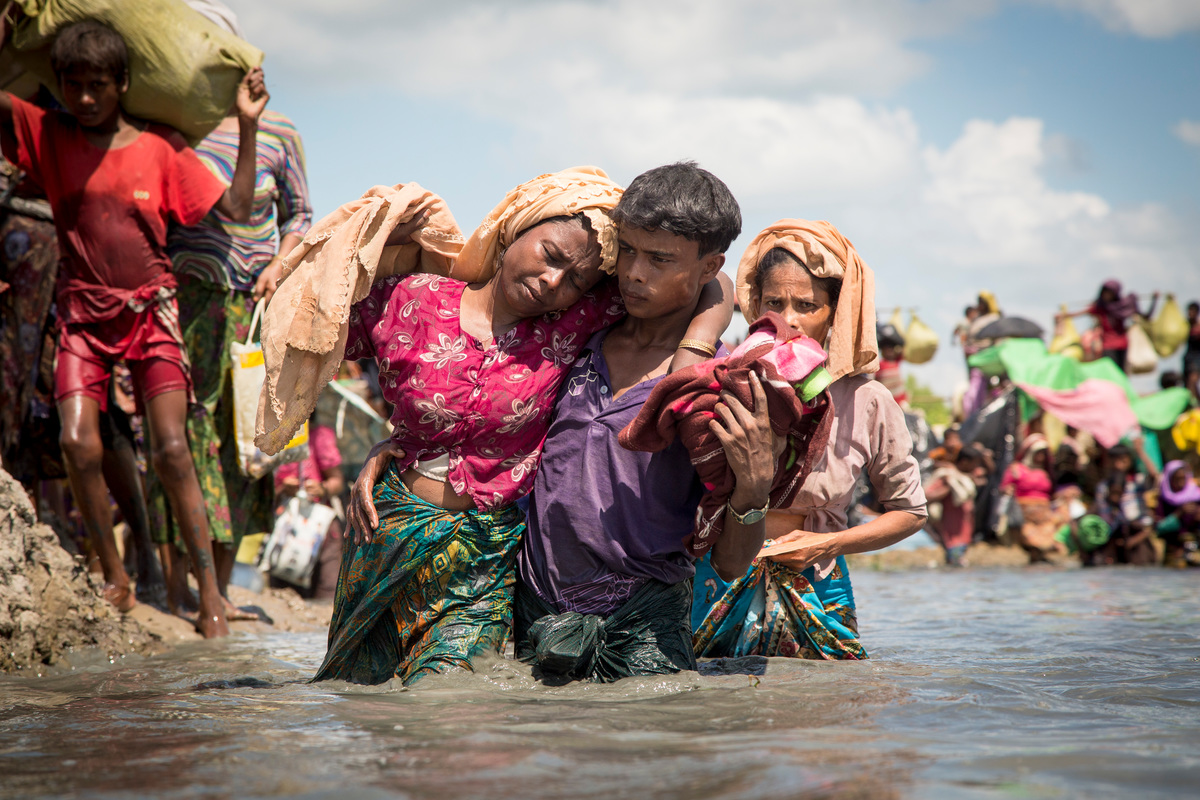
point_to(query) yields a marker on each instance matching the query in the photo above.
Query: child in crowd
(953, 485)
(114, 183)
(947, 451)
(1179, 516)
(1027, 480)
(1121, 502)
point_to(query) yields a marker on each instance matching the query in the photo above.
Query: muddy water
(983, 684)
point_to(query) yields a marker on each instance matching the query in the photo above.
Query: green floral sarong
(432, 590)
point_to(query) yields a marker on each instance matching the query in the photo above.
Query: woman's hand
(403, 232)
(361, 515)
(268, 280)
(813, 547)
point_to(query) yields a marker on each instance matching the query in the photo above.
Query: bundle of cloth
(791, 368)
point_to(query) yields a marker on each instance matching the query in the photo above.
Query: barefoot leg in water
(181, 600)
(83, 456)
(167, 415)
(125, 483)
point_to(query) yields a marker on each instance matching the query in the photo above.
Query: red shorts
(87, 354)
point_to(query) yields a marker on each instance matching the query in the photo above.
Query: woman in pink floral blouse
(472, 370)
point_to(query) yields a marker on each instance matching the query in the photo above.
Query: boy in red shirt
(114, 182)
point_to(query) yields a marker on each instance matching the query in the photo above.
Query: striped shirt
(231, 254)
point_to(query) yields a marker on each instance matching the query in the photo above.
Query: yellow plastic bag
(1140, 358)
(1169, 330)
(920, 342)
(183, 69)
(1066, 341)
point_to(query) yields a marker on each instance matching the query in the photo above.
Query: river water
(1010, 684)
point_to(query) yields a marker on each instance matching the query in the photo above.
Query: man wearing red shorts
(114, 182)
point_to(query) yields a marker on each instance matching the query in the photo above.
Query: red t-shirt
(1112, 337)
(111, 207)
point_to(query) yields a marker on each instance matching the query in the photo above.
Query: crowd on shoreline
(1011, 470)
(567, 443)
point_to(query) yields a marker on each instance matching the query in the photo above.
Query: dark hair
(777, 257)
(1120, 450)
(89, 45)
(1170, 379)
(969, 452)
(685, 200)
(1194, 305)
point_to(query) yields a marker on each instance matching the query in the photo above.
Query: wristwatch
(750, 517)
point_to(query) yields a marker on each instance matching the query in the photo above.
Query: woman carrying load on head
(472, 363)
(1112, 312)
(796, 599)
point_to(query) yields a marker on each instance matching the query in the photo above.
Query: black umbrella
(1010, 328)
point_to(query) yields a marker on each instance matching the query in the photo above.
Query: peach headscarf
(827, 254)
(305, 327)
(586, 190)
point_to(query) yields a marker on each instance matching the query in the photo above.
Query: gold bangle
(696, 344)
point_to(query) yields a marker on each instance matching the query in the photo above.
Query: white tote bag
(291, 552)
(1141, 357)
(249, 375)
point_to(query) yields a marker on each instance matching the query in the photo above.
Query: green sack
(1169, 330)
(183, 69)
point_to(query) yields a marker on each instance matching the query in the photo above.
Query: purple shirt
(602, 519)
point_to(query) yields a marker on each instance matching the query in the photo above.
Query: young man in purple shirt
(605, 582)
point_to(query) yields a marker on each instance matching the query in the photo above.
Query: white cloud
(681, 46)
(989, 186)
(1188, 131)
(1149, 18)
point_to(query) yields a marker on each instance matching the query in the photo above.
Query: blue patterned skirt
(774, 610)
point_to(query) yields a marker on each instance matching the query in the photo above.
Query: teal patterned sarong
(773, 610)
(432, 590)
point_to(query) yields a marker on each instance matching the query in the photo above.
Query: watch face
(753, 515)
(750, 517)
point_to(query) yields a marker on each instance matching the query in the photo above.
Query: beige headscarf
(305, 327)
(827, 254)
(586, 190)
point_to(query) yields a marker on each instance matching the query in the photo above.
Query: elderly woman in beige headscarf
(471, 353)
(811, 275)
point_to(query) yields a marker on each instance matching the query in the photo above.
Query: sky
(1031, 147)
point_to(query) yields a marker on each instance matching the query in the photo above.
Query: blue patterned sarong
(432, 590)
(773, 610)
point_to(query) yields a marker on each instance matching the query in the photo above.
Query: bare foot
(235, 614)
(182, 602)
(120, 596)
(211, 622)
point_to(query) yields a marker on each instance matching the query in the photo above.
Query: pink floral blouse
(487, 407)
